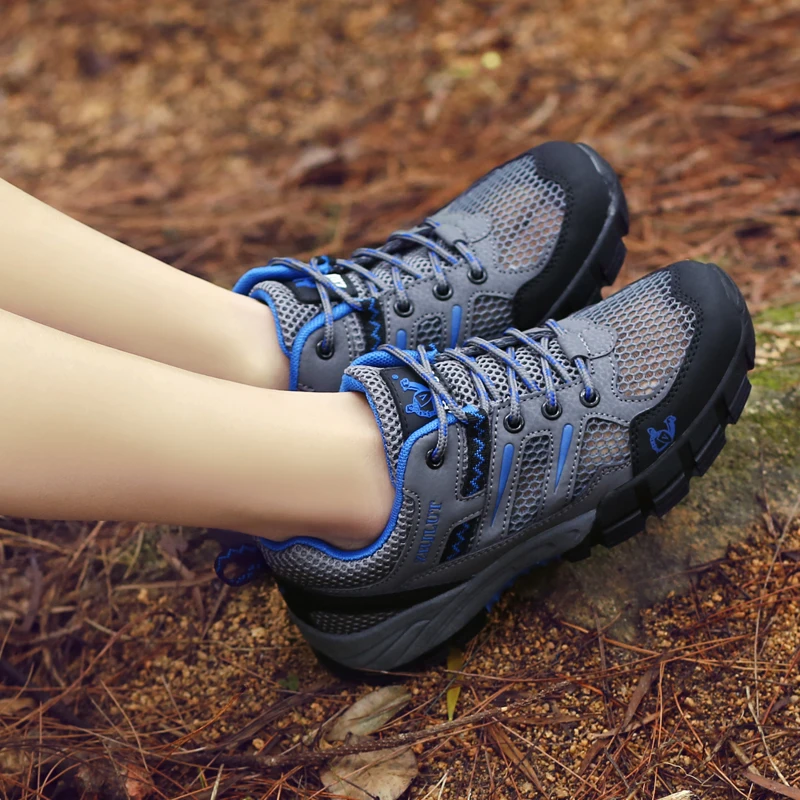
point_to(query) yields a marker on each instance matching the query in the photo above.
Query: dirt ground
(215, 135)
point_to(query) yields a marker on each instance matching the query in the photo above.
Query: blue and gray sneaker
(508, 453)
(536, 237)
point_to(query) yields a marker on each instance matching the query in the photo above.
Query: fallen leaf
(455, 661)
(369, 713)
(15, 705)
(379, 775)
(137, 782)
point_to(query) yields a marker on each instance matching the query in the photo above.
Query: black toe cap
(722, 342)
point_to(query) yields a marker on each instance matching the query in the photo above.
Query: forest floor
(215, 135)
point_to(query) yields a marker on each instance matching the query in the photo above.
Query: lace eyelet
(433, 463)
(477, 275)
(442, 292)
(513, 425)
(405, 309)
(324, 353)
(592, 401)
(550, 412)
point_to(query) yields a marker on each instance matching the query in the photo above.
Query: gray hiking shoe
(506, 454)
(536, 237)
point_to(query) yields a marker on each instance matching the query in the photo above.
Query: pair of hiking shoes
(511, 438)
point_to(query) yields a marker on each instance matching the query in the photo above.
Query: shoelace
(319, 269)
(504, 350)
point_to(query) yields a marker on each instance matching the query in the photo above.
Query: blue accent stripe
(402, 338)
(254, 276)
(566, 440)
(505, 471)
(455, 325)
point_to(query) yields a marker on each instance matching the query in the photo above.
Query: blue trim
(266, 298)
(566, 440)
(402, 338)
(254, 276)
(350, 384)
(505, 471)
(314, 324)
(355, 555)
(455, 325)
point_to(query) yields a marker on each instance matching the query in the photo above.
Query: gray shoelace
(503, 350)
(321, 270)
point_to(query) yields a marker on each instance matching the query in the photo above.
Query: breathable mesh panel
(526, 211)
(532, 485)
(491, 316)
(384, 404)
(429, 331)
(654, 330)
(292, 315)
(342, 624)
(313, 569)
(355, 335)
(604, 448)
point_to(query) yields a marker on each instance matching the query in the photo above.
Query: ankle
(371, 491)
(258, 359)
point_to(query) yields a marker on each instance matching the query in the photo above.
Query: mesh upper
(429, 330)
(292, 315)
(526, 211)
(654, 330)
(385, 406)
(491, 315)
(311, 568)
(534, 464)
(604, 447)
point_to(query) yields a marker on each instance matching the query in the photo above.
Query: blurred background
(215, 135)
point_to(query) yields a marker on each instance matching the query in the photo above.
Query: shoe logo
(661, 440)
(429, 531)
(422, 403)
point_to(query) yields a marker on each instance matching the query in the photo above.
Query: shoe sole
(605, 260)
(411, 635)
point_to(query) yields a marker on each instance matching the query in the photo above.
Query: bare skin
(56, 271)
(178, 428)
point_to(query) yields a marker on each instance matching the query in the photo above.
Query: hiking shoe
(506, 454)
(536, 237)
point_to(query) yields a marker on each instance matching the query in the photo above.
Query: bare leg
(88, 432)
(61, 273)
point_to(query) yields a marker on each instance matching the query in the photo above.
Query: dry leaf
(455, 661)
(15, 705)
(369, 713)
(381, 774)
(137, 782)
